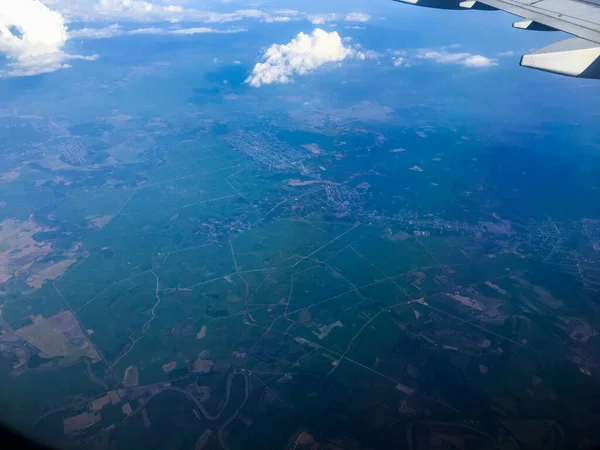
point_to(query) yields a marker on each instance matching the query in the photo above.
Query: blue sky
(53, 33)
(466, 58)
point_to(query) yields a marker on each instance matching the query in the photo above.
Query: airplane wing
(578, 56)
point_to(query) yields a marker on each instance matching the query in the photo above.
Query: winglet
(532, 26)
(474, 4)
(573, 57)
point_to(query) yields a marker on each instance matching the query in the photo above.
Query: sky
(463, 60)
(43, 36)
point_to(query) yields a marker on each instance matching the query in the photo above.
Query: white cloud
(173, 8)
(506, 53)
(479, 61)
(401, 61)
(142, 10)
(117, 30)
(137, 9)
(276, 19)
(96, 33)
(357, 17)
(287, 12)
(31, 38)
(150, 11)
(242, 14)
(182, 11)
(400, 58)
(362, 53)
(303, 54)
(320, 19)
(442, 56)
(203, 30)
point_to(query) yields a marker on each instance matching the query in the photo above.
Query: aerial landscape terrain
(386, 251)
